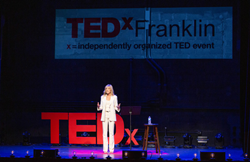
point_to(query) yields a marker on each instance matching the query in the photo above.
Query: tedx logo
(73, 128)
(98, 27)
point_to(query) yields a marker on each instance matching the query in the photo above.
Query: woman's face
(108, 90)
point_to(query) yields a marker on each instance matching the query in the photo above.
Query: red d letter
(116, 30)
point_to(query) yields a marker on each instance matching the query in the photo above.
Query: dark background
(187, 96)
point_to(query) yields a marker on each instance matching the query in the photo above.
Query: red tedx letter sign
(54, 124)
(74, 128)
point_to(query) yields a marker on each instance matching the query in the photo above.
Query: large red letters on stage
(101, 30)
(72, 118)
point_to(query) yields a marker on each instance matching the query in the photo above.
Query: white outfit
(108, 118)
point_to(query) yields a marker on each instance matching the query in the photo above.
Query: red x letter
(127, 23)
(131, 136)
(68, 46)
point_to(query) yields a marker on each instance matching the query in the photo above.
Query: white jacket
(114, 104)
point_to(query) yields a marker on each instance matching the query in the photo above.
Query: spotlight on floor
(195, 157)
(246, 157)
(229, 158)
(125, 155)
(92, 155)
(187, 140)
(178, 157)
(42, 152)
(12, 154)
(134, 154)
(58, 155)
(74, 157)
(219, 141)
(212, 157)
(160, 158)
(27, 154)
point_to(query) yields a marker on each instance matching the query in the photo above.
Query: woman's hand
(98, 105)
(118, 107)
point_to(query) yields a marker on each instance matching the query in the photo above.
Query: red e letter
(54, 124)
(74, 128)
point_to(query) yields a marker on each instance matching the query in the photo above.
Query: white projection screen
(139, 33)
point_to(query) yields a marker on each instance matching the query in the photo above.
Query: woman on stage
(109, 104)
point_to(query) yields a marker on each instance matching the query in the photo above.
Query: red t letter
(74, 128)
(54, 124)
(74, 22)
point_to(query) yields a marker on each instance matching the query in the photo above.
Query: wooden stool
(156, 137)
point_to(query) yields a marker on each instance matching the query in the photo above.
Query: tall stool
(156, 137)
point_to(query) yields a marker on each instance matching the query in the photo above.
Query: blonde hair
(112, 89)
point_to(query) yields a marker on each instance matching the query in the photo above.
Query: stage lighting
(229, 158)
(74, 157)
(27, 154)
(178, 157)
(187, 140)
(160, 158)
(143, 155)
(246, 157)
(202, 142)
(41, 156)
(134, 154)
(219, 141)
(212, 157)
(58, 155)
(195, 157)
(92, 155)
(12, 154)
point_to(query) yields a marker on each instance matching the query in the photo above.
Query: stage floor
(85, 151)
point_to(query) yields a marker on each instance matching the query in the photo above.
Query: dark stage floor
(85, 151)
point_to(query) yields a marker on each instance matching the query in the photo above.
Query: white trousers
(107, 123)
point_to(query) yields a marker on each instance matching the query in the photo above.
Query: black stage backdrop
(188, 95)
